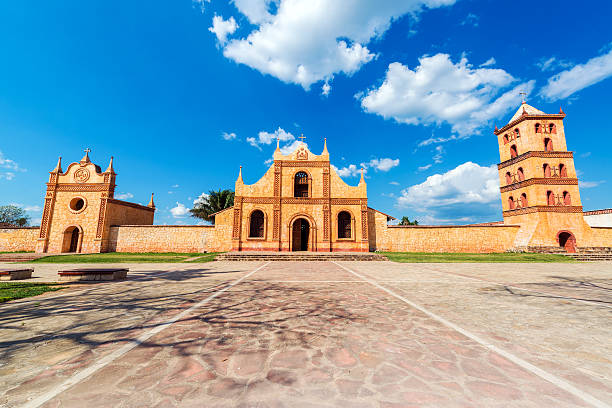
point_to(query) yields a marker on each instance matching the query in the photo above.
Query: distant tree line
(406, 221)
(13, 216)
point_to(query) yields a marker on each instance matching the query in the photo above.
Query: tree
(13, 215)
(214, 202)
(406, 221)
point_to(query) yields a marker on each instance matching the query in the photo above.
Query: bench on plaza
(93, 274)
(16, 274)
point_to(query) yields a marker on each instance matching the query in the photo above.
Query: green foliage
(19, 290)
(406, 221)
(13, 215)
(215, 202)
(440, 257)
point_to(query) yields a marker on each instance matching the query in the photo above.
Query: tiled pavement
(316, 335)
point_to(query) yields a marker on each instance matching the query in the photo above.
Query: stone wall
(18, 239)
(599, 218)
(471, 239)
(167, 238)
(602, 237)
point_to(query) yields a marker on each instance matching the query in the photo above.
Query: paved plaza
(315, 334)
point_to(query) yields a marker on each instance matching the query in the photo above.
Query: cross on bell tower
(302, 137)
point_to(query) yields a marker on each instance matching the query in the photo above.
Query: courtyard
(314, 334)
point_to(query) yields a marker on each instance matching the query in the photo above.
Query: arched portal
(567, 240)
(72, 239)
(300, 235)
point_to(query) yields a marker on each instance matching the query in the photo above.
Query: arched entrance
(72, 239)
(567, 240)
(300, 235)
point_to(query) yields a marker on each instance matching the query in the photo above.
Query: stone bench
(91, 274)
(16, 274)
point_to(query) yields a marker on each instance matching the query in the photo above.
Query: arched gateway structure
(304, 205)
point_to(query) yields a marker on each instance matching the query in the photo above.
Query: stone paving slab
(308, 335)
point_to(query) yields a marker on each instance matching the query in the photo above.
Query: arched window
(524, 202)
(508, 178)
(506, 140)
(567, 198)
(256, 228)
(546, 170)
(538, 128)
(562, 170)
(300, 185)
(344, 225)
(550, 198)
(520, 174)
(513, 151)
(552, 128)
(517, 133)
(548, 144)
(511, 203)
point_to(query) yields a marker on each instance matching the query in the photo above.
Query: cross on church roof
(523, 95)
(302, 137)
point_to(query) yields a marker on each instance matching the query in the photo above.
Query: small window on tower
(546, 170)
(508, 178)
(506, 140)
(548, 144)
(567, 198)
(520, 174)
(562, 170)
(513, 151)
(538, 128)
(550, 198)
(517, 133)
(524, 202)
(511, 203)
(552, 128)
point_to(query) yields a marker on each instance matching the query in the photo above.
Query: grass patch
(419, 257)
(209, 257)
(121, 257)
(20, 290)
(16, 252)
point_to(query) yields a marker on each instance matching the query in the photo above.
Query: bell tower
(539, 185)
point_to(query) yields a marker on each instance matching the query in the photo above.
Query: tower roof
(530, 110)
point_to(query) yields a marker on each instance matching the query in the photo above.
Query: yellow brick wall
(18, 239)
(602, 237)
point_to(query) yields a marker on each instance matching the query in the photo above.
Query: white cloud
(426, 167)
(8, 168)
(200, 4)
(325, 89)
(385, 164)
(579, 77)
(32, 208)
(348, 171)
(228, 136)
(471, 20)
(590, 184)
(306, 41)
(394, 183)
(201, 198)
(124, 196)
(222, 28)
(437, 158)
(552, 63)
(459, 195)
(179, 211)
(291, 147)
(267, 138)
(489, 62)
(439, 91)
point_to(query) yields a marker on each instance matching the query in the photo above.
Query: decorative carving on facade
(553, 155)
(81, 175)
(82, 187)
(540, 181)
(44, 224)
(301, 154)
(544, 208)
(289, 163)
(101, 216)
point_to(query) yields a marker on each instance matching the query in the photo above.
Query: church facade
(301, 204)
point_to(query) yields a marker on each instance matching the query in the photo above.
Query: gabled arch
(257, 224)
(345, 222)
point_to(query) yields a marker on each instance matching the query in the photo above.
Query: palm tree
(406, 221)
(214, 202)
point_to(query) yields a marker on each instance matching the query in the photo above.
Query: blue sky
(182, 93)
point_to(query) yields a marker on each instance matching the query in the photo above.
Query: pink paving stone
(248, 363)
(341, 358)
(388, 374)
(186, 368)
(178, 392)
(226, 388)
(282, 377)
(349, 388)
(317, 376)
(496, 391)
(369, 359)
(482, 370)
(417, 397)
(290, 359)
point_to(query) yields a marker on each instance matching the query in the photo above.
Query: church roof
(528, 108)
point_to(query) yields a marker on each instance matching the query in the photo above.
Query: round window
(77, 204)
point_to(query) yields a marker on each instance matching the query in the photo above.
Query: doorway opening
(72, 237)
(300, 235)
(567, 241)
